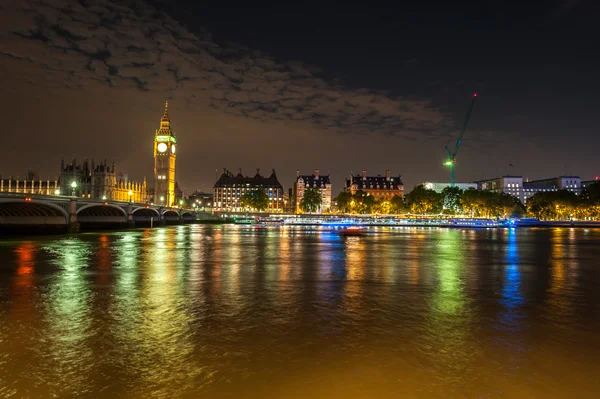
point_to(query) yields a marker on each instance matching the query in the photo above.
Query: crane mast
(451, 161)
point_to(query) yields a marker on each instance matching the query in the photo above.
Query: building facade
(570, 183)
(322, 183)
(30, 185)
(201, 200)
(380, 187)
(229, 188)
(165, 147)
(439, 187)
(99, 181)
(587, 183)
(512, 185)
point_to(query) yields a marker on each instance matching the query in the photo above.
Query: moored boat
(353, 231)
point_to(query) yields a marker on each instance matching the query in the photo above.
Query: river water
(234, 311)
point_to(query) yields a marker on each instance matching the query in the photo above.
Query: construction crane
(451, 161)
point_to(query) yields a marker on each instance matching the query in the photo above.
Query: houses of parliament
(102, 181)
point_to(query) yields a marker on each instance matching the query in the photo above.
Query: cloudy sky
(300, 88)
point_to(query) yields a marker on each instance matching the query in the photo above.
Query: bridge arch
(31, 208)
(170, 212)
(144, 211)
(187, 215)
(101, 210)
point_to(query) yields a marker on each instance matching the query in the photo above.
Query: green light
(448, 163)
(166, 138)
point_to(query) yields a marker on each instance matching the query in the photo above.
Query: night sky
(301, 87)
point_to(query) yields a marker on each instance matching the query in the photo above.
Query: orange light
(27, 199)
(106, 203)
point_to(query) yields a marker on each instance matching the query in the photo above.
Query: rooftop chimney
(387, 174)
(364, 174)
(317, 173)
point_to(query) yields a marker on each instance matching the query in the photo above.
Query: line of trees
(565, 205)
(363, 203)
(471, 202)
(556, 205)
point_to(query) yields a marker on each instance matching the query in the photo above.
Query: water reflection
(68, 355)
(512, 298)
(449, 322)
(224, 311)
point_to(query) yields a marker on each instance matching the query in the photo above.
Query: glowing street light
(162, 199)
(57, 192)
(73, 186)
(130, 194)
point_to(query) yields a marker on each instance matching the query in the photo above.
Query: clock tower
(165, 145)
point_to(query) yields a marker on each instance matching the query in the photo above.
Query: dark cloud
(130, 44)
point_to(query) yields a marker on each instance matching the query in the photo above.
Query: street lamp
(162, 199)
(73, 186)
(130, 194)
(57, 192)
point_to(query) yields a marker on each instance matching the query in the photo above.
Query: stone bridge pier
(73, 225)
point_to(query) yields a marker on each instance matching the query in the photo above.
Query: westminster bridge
(40, 213)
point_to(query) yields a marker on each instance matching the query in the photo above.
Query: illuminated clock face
(162, 147)
(173, 148)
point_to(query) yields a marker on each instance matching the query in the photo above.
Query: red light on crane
(474, 94)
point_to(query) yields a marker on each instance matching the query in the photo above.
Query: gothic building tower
(165, 145)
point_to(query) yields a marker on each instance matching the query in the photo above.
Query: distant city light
(57, 192)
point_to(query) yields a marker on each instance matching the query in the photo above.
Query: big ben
(165, 146)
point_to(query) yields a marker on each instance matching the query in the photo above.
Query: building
(512, 185)
(229, 188)
(322, 183)
(30, 185)
(570, 183)
(439, 187)
(99, 181)
(165, 145)
(380, 187)
(201, 200)
(289, 205)
(587, 183)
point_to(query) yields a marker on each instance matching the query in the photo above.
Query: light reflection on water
(227, 311)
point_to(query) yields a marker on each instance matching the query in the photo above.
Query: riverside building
(380, 187)
(229, 188)
(322, 183)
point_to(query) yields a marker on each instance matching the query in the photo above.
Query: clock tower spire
(165, 145)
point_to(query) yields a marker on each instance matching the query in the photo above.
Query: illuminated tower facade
(165, 146)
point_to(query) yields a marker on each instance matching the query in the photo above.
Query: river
(235, 311)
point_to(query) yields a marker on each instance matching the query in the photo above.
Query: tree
(561, 204)
(397, 205)
(451, 200)
(344, 202)
(255, 199)
(311, 200)
(363, 203)
(424, 201)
